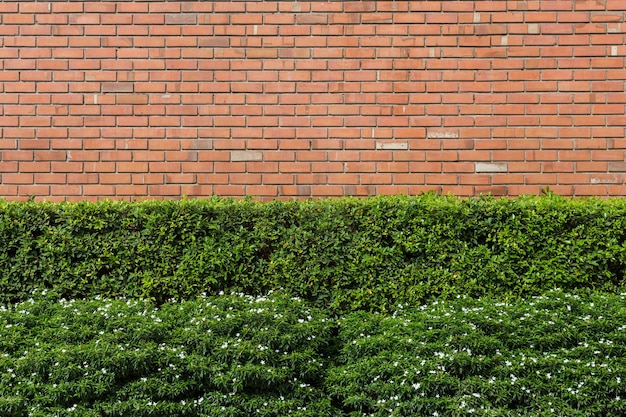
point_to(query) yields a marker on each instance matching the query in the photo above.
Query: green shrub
(237, 355)
(345, 254)
(554, 355)
(217, 356)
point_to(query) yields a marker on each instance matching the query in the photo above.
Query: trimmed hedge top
(345, 254)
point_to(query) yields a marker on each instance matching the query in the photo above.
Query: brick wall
(295, 99)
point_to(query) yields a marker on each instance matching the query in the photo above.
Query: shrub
(344, 254)
(237, 355)
(550, 355)
(217, 356)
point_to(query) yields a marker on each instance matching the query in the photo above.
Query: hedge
(343, 254)
(237, 355)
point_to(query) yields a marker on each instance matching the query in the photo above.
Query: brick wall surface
(131, 99)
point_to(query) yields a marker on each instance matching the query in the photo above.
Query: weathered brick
(491, 167)
(240, 156)
(117, 87)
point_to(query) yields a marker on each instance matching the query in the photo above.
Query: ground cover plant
(342, 254)
(238, 355)
(552, 355)
(218, 356)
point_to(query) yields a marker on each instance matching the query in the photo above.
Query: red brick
(79, 178)
(277, 179)
(590, 190)
(315, 87)
(229, 190)
(96, 167)
(196, 190)
(165, 190)
(496, 190)
(616, 190)
(116, 178)
(9, 166)
(141, 178)
(40, 166)
(131, 190)
(557, 166)
(64, 166)
(262, 167)
(326, 190)
(17, 178)
(132, 166)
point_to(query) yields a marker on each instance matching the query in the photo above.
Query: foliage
(236, 355)
(553, 355)
(217, 356)
(345, 254)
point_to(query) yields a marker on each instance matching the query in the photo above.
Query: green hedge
(345, 254)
